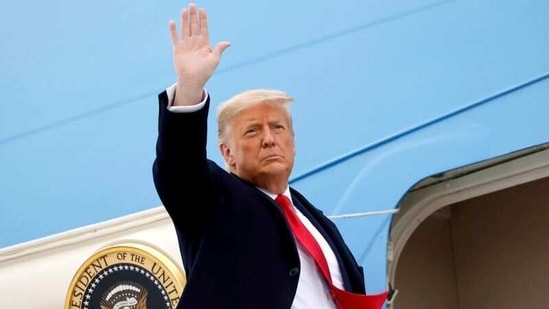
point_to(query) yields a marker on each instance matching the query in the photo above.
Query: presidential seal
(126, 276)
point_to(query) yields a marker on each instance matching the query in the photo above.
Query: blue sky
(79, 82)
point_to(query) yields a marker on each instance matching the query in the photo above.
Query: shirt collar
(273, 196)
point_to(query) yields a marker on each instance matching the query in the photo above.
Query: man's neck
(273, 195)
(272, 187)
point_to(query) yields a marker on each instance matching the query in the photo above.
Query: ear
(293, 143)
(226, 153)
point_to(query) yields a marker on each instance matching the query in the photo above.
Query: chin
(276, 169)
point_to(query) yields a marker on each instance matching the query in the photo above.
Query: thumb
(220, 48)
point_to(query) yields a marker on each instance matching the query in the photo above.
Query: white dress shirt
(312, 290)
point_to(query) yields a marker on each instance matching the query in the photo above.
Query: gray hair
(230, 108)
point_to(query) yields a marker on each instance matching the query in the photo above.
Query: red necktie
(343, 299)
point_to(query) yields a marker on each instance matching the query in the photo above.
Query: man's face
(261, 145)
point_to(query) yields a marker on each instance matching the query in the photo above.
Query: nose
(268, 138)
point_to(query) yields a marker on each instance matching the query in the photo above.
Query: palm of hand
(194, 59)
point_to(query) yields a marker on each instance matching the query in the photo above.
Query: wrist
(188, 95)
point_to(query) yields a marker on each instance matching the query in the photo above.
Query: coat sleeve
(181, 171)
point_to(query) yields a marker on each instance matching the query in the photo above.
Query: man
(238, 245)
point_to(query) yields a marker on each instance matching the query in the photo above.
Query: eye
(250, 132)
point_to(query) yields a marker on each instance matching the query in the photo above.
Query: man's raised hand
(193, 58)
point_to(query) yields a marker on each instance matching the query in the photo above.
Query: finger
(185, 29)
(220, 48)
(203, 24)
(193, 16)
(173, 32)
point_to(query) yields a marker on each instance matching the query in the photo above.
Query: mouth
(272, 157)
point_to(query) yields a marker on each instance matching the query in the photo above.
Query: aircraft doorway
(475, 238)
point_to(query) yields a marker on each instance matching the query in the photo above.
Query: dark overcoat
(238, 251)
